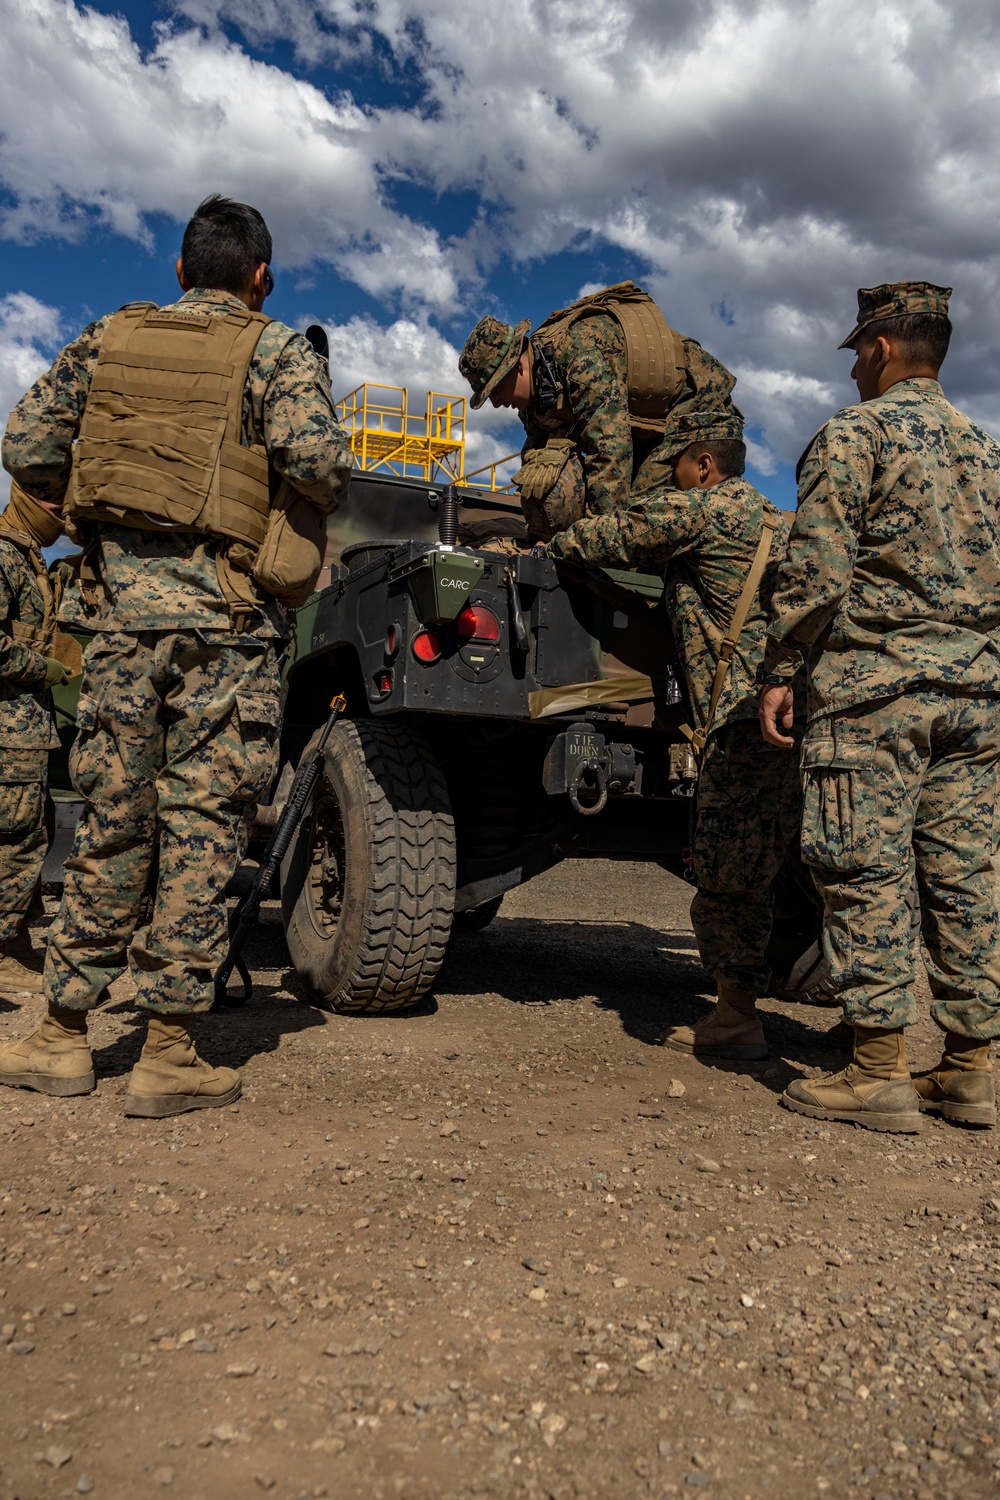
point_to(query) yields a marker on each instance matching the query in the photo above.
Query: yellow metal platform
(385, 435)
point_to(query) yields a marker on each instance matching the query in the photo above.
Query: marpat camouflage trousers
(176, 736)
(749, 813)
(899, 784)
(24, 837)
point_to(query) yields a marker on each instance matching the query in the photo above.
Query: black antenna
(448, 517)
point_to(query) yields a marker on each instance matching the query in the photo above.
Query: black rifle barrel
(277, 847)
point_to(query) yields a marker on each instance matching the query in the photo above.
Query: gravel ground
(503, 1247)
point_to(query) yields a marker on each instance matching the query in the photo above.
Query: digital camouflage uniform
(178, 713)
(891, 584)
(748, 792)
(27, 734)
(614, 458)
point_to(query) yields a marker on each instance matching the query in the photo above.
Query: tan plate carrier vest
(45, 638)
(160, 442)
(654, 353)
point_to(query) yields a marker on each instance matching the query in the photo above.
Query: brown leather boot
(731, 1031)
(53, 1059)
(960, 1088)
(875, 1091)
(170, 1077)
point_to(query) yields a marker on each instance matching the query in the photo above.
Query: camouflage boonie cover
(491, 350)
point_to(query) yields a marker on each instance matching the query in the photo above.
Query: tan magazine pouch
(291, 554)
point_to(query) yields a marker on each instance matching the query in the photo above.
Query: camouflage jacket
(707, 540)
(169, 582)
(590, 363)
(892, 573)
(26, 722)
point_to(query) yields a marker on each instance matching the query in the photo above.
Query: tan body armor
(656, 364)
(160, 443)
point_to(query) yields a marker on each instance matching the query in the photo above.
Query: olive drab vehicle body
(503, 713)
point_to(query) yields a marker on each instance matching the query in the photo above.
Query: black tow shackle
(590, 779)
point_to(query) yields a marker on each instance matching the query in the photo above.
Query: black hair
(728, 454)
(923, 338)
(223, 245)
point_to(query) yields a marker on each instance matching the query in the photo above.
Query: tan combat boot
(731, 1032)
(875, 1091)
(20, 966)
(52, 1059)
(170, 1077)
(960, 1088)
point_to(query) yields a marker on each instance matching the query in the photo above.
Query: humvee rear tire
(368, 884)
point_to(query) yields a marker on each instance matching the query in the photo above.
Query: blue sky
(751, 162)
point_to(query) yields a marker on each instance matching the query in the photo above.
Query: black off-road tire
(368, 884)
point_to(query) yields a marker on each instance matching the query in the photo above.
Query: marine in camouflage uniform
(589, 458)
(179, 708)
(27, 729)
(748, 807)
(891, 586)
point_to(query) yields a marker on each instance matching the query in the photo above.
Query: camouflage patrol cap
(491, 350)
(710, 426)
(896, 299)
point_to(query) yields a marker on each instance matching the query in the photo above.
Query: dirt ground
(504, 1247)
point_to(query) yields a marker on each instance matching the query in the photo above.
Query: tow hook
(516, 613)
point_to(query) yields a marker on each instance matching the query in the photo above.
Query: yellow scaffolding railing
(384, 435)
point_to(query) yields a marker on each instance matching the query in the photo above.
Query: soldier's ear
(179, 268)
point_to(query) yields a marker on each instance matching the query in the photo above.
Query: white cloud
(93, 130)
(759, 158)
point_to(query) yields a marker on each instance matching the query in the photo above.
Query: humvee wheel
(368, 885)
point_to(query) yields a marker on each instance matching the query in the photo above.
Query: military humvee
(503, 714)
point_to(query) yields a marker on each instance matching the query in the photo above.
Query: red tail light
(426, 646)
(476, 623)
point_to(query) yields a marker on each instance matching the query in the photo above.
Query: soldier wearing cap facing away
(719, 541)
(593, 386)
(891, 588)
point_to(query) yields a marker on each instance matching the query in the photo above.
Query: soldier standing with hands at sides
(718, 540)
(891, 587)
(593, 386)
(196, 450)
(28, 669)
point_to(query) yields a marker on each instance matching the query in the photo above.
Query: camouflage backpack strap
(654, 352)
(699, 737)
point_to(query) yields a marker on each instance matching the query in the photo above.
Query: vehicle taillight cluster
(477, 623)
(426, 646)
(475, 626)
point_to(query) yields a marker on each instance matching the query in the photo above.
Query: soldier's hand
(542, 467)
(55, 673)
(776, 710)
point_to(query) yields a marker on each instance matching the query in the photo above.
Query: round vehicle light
(392, 639)
(477, 623)
(426, 647)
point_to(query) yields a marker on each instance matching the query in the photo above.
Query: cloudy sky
(421, 162)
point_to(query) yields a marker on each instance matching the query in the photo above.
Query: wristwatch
(771, 679)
